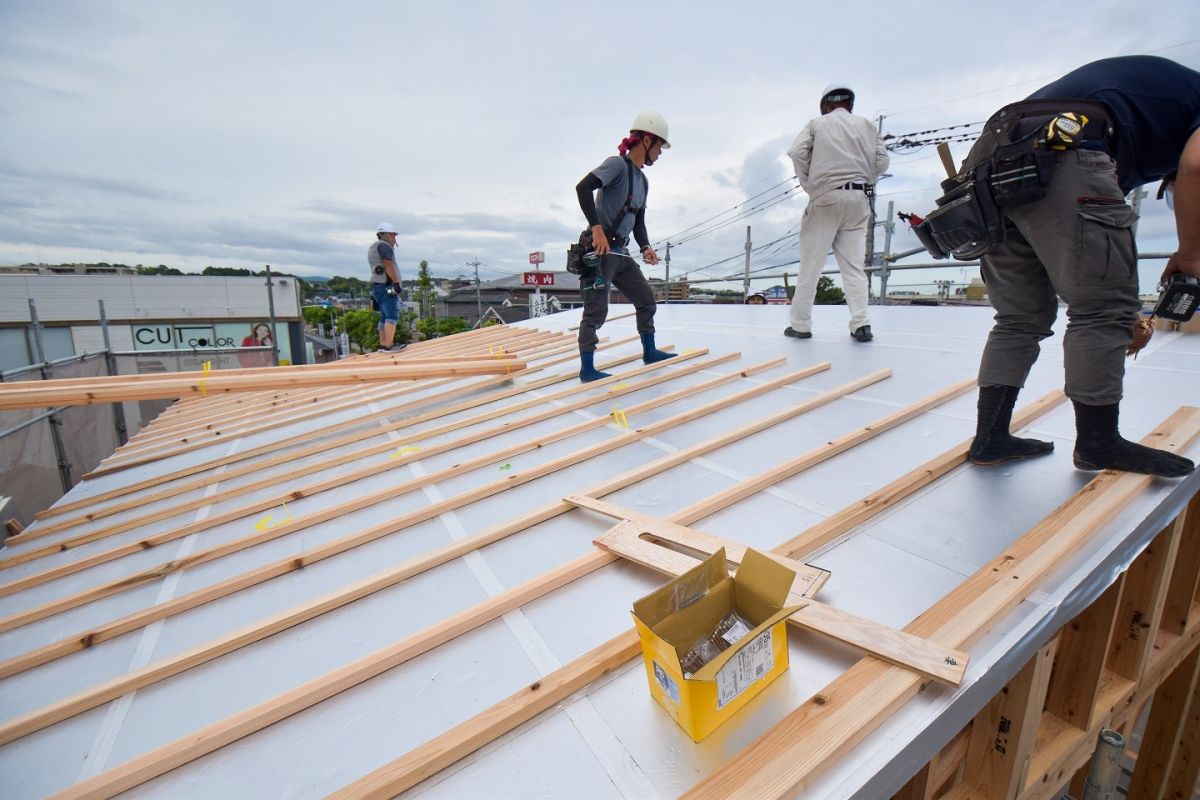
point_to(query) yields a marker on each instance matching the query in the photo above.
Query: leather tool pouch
(967, 223)
(1020, 173)
(577, 251)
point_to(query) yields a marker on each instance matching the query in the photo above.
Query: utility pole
(271, 311)
(746, 275)
(871, 222)
(667, 281)
(884, 267)
(478, 302)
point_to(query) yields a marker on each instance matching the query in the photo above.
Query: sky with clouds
(261, 132)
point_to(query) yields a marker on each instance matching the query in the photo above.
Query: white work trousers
(836, 219)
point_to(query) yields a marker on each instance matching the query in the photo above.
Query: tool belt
(1012, 164)
(581, 257)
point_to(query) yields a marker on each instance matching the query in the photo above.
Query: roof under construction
(376, 588)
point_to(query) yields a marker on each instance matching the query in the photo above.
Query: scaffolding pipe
(1101, 783)
(60, 450)
(110, 362)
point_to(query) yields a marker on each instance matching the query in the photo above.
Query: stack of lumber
(414, 363)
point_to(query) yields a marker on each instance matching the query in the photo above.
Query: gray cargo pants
(623, 273)
(1075, 243)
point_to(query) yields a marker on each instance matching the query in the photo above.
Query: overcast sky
(250, 133)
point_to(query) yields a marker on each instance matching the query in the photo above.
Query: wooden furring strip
(367, 432)
(782, 761)
(187, 413)
(353, 400)
(943, 664)
(221, 733)
(90, 595)
(14, 396)
(470, 735)
(549, 411)
(336, 599)
(327, 550)
(454, 392)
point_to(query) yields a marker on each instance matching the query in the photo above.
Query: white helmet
(652, 122)
(386, 227)
(837, 88)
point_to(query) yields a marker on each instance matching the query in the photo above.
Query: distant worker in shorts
(385, 284)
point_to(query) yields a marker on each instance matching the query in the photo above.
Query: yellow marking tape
(207, 365)
(619, 418)
(269, 520)
(404, 451)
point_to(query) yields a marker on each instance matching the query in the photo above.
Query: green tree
(827, 293)
(452, 325)
(354, 287)
(425, 296)
(230, 272)
(363, 328)
(318, 315)
(159, 270)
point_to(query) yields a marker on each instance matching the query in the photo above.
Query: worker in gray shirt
(614, 212)
(385, 284)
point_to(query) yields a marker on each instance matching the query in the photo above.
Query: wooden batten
(165, 388)
(441, 406)
(784, 760)
(550, 410)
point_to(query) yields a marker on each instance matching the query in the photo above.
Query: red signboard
(538, 278)
(537, 257)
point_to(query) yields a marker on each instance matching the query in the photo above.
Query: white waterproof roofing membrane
(370, 591)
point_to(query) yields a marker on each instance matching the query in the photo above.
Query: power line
(674, 236)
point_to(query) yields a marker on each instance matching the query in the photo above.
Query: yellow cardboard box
(672, 619)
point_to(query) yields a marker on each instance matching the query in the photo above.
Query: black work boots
(993, 443)
(1099, 445)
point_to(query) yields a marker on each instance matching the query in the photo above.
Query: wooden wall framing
(1035, 738)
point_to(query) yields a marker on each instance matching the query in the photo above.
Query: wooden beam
(478, 398)
(17, 396)
(1005, 731)
(349, 424)
(825, 532)
(1164, 730)
(460, 740)
(801, 746)
(1185, 768)
(550, 408)
(201, 654)
(246, 421)
(938, 663)
(1185, 577)
(1142, 603)
(282, 567)
(469, 735)
(182, 751)
(162, 759)
(1085, 640)
(261, 535)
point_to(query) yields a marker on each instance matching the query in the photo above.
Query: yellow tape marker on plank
(620, 418)
(269, 520)
(207, 366)
(404, 451)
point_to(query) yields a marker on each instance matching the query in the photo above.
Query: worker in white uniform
(838, 157)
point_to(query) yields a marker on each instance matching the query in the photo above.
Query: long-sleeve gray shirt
(835, 149)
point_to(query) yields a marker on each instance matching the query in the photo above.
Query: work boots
(650, 353)
(587, 368)
(993, 442)
(1099, 445)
